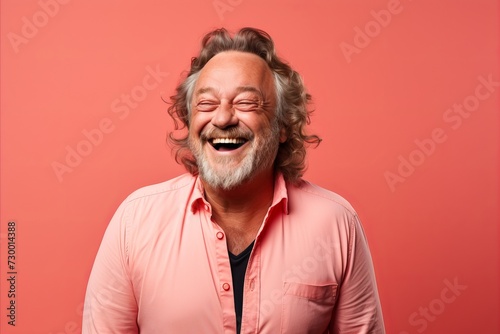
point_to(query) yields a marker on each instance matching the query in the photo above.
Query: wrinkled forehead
(230, 71)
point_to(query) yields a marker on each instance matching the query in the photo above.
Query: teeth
(228, 141)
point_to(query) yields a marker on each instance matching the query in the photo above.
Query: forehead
(231, 70)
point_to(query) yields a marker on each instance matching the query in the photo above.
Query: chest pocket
(307, 308)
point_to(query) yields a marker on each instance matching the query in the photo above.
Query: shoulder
(157, 205)
(173, 187)
(313, 197)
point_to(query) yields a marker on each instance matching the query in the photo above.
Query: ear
(283, 136)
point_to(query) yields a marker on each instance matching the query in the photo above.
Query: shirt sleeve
(358, 307)
(110, 305)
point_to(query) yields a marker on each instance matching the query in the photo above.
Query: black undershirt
(238, 268)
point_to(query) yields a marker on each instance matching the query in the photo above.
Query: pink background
(380, 88)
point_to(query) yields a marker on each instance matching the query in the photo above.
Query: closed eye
(207, 106)
(246, 105)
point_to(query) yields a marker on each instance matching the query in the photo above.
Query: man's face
(234, 134)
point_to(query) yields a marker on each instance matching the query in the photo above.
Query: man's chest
(290, 282)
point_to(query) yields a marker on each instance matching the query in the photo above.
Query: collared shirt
(163, 267)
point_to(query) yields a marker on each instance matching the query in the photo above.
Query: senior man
(241, 243)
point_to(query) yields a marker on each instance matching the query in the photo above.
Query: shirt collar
(197, 200)
(280, 196)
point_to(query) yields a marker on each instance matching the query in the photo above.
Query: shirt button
(225, 286)
(220, 235)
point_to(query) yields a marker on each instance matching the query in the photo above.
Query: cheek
(257, 123)
(198, 122)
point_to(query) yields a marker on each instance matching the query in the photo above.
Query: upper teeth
(228, 141)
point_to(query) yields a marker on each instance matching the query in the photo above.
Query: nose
(224, 116)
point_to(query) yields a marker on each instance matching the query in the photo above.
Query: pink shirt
(163, 267)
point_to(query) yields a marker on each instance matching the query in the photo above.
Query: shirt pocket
(307, 308)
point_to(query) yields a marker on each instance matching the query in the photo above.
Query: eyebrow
(239, 89)
(204, 90)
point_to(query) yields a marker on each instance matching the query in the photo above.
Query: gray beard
(261, 156)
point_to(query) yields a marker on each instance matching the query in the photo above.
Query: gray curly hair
(291, 107)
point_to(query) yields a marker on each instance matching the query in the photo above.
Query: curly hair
(291, 108)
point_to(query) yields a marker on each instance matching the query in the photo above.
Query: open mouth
(227, 144)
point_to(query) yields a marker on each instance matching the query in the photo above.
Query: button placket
(224, 278)
(251, 293)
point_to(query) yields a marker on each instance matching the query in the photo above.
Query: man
(241, 244)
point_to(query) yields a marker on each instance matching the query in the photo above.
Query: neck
(241, 211)
(255, 193)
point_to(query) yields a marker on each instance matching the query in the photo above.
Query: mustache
(234, 132)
